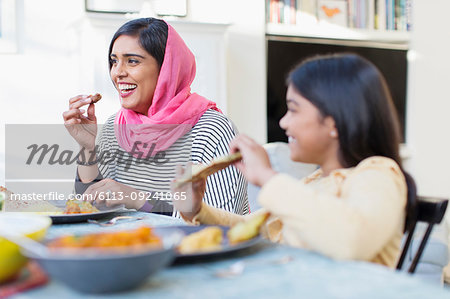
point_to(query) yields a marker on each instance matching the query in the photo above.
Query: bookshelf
(296, 29)
(386, 21)
(384, 39)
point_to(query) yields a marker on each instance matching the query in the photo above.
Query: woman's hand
(190, 196)
(111, 193)
(83, 129)
(255, 163)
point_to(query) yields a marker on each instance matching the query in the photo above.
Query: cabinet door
(207, 42)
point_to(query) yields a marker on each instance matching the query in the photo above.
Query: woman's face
(312, 138)
(134, 73)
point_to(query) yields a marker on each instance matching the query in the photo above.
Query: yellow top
(353, 214)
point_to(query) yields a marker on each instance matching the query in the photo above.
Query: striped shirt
(209, 138)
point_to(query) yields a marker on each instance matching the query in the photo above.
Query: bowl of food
(107, 262)
(23, 224)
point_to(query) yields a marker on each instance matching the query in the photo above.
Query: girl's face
(312, 138)
(134, 73)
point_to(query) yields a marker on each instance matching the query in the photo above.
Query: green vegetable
(2, 198)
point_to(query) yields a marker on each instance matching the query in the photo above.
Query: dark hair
(152, 35)
(352, 91)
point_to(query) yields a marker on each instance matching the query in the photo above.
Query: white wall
(37, 82)
(428, 124)
(246, 59)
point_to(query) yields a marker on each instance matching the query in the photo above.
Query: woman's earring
(333, 134)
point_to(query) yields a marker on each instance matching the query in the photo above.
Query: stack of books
(360, 14)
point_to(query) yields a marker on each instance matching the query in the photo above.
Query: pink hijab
(174, 109)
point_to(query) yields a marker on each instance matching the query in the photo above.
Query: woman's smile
(126, 89)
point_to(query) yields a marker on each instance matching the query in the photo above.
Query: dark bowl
(108, 273)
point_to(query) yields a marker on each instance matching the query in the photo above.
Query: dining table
(264, 270)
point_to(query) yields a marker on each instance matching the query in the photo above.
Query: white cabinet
(208, 43)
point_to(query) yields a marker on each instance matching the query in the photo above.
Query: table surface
(306, 274)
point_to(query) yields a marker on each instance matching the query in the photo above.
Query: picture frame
(8, 26)
(176, 8)
(113, 6)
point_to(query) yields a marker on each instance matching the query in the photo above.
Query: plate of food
(207, 241)
(81, 211)
(67, 211)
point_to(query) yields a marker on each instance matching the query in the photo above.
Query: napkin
(31, 276)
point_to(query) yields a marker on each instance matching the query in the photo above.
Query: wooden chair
(431, 211)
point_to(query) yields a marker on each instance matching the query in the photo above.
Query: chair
(430, 211)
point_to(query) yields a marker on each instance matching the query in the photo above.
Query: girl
(341, 117)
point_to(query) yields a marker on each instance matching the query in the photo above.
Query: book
(370, 14)
(308, 6)
(293, 11)
(408, 14)
(381, 15)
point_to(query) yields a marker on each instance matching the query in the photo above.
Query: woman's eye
(113, 61)
(133, 61)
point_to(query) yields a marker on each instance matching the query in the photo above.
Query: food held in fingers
(95, 98)
(201, 171)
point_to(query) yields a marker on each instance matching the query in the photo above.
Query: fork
(114, 220)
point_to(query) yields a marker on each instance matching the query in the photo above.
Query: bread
(201, 171)
(207, 239)
(22, 204)
(95, 98)
(247, 230)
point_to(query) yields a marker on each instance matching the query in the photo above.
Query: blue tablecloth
(306, 275)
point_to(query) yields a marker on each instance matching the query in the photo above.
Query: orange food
(79, 207)
(140, 238)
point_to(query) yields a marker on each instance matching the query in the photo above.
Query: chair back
(431, 211)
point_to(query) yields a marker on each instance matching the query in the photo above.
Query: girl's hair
(352, 91)
(152, 35)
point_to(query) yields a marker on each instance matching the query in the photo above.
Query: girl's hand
(255, 163)
(189, 201)
(112, 193)
(83, 129)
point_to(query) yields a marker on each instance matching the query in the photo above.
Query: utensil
(238, 268)
(114, 220)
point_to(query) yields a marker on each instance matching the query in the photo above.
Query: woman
(341, 117)
(161, 123)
